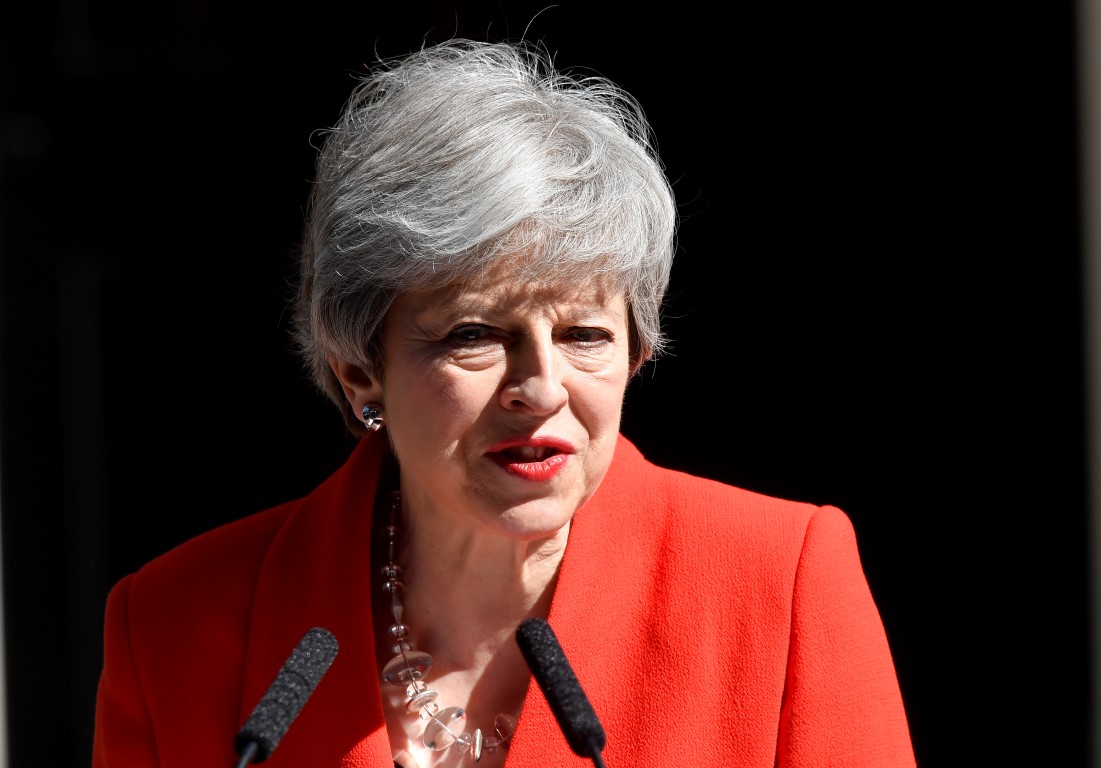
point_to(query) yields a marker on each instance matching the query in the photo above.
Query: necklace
(444, 728)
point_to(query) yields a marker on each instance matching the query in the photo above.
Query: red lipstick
(537, 459)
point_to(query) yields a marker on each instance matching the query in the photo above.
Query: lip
(536, 441)
(534, 471)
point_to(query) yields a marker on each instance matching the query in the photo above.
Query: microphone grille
(313, 655)
(293, 685)
(563, 692)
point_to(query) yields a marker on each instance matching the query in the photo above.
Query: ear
(360, 387)
(644, 356)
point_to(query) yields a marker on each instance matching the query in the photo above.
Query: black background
(876, 304)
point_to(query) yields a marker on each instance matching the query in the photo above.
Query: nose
(534, 381)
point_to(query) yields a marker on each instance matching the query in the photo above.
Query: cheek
(601, 401)
(605, 408)
(441, 403)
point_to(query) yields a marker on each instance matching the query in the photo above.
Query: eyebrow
(457, 299)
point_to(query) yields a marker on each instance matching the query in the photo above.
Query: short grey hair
(459, 154)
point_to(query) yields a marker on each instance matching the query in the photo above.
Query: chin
(534, 520)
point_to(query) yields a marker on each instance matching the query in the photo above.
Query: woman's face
(503, 401)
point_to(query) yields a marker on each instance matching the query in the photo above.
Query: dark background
(876, 304)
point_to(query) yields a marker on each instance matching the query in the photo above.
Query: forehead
(511, 286)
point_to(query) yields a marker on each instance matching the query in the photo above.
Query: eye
(468, 334)
(588, 335)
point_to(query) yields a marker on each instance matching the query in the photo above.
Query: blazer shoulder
(219, 567)
(635, 480)
(703, 515)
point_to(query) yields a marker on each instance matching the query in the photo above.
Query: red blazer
(708, 625)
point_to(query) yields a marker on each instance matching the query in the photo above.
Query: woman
(486, 254)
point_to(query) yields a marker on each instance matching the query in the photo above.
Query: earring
(372, 417)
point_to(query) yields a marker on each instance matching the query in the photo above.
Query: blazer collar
(318, 573)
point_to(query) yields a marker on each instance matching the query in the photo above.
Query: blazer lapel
(318, 574)
(596, 613)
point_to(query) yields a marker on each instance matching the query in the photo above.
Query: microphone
(286, 696)
(567, 701)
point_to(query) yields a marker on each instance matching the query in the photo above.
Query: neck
(466, 591)
(463, 595)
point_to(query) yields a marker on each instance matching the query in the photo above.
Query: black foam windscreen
(563, 692)
(292, 686)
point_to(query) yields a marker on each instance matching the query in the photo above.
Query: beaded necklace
(444, 728)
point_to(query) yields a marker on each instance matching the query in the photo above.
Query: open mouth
(529, 453)
(536, 459)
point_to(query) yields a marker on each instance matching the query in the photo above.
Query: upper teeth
(529, 452)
